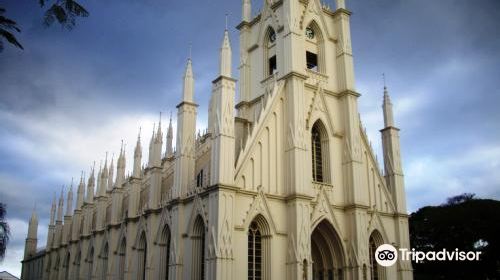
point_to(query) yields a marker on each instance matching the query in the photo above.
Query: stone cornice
(222, 77)
(349, 92)
(341, 11)
(294, 74)
(389, 128)
(186, 103)
(294, 197)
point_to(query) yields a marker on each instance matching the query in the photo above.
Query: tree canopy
(465, 223)
(4, 230)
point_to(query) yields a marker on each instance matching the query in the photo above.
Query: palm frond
(6, 25)
(76, 9)
(10, 38)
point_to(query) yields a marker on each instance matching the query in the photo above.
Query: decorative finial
(383, 78)
(226, 21)
(190, 50)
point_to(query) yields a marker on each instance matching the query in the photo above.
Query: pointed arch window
(142, 252)
(254, 252)
(314, 47)
(259, 258)
(66, 266)
(56, 267)
(165, 253)
(198, 239)
(377, 272)
(320, 153)
(90, 263)
(104, 261)
(76, 271)
(270, 61)
(121, 259)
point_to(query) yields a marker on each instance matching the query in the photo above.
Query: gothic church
(283, 185)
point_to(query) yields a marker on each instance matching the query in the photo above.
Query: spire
(110, 174)
(81, 192)
(188, 88)
(33, 225)
(387, 107)
(247, 11)
(91, 185)
(103, 179)
(170, 138)
(53, 210)
(159, 133)
(120, 170)
(69, 201)
(31, 240)
(225, 55)
(137, 157)
(61, 205)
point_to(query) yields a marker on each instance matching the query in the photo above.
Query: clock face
(310, 33)
(272, 36)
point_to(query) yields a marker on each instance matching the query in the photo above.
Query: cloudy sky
(70, 96)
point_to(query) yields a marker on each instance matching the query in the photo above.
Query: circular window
(310, 33)
(272, 36)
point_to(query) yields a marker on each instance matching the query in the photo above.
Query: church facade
(283, 184)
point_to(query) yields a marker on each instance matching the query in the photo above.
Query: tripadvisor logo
(387, 255)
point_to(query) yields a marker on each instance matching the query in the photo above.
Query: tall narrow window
(254, 252)
(373, 263)
(270, 61)
(202, 256)
(199, 179)
(272, 65)
(121, 259)
(56, 267)
(142, 253)
(76, 271)
(66, 266)
(314, 47)
(317, 159)
(104, 262)
(198, 239)
(376, 271)
(304, 270)
(90, 261)
(165, 253)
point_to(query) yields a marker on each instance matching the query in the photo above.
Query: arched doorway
(327, 253)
